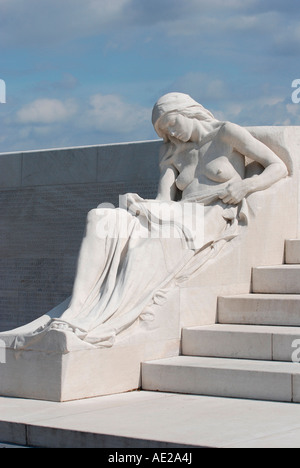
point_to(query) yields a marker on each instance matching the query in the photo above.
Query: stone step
(292, 251)
(279, 279)
(234, 378)
(260, 309)
(243, 342)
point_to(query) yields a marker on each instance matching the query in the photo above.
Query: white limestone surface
(235, 378)
(61, 367)
(292, 251)
(146, 419)
(260, 309)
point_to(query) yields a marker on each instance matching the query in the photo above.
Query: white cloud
(276, 112)
(202, 86)
(46, 111)
(51, 123)
(36, 22)
(110, 113)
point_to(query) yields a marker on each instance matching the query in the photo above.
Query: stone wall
(44, 199)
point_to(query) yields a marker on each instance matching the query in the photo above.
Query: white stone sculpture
(127, 262)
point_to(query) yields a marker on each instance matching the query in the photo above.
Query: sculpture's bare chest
(202, 165)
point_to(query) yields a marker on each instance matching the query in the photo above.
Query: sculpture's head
(173, 116)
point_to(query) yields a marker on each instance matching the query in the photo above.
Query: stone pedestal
(61, 367)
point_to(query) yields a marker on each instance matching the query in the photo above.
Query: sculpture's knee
(94, 217)
(108, 222)
(101, 220)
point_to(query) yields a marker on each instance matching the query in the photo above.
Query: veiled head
(177, 103)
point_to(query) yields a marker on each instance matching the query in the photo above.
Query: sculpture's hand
(235, 192)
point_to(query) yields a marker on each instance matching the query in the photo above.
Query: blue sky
(86, 72)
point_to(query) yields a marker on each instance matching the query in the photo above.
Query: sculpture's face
(177, 126)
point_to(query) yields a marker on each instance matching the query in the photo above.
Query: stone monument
(150, 267)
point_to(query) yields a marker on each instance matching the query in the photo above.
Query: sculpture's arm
(243, 142)
(167, 184)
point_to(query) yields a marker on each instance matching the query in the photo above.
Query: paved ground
(145, 419)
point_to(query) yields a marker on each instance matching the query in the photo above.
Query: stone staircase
(250, 353)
